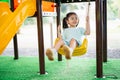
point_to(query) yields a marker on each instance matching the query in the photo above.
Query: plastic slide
(10, 22)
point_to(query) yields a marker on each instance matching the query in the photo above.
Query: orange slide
(11, 21)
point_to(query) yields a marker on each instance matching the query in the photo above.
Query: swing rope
(88, 8)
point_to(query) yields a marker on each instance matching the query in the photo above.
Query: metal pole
(40, 37)
(15, 37)
(58, 23)
(99, 56)
(16, 56)
(104, 30)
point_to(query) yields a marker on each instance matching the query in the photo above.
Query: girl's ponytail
(64, 23)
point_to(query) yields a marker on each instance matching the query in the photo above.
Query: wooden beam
(15, 37)
(40, 37)
(104, 30)
(58, 23)
(74, 1)
(99, 48)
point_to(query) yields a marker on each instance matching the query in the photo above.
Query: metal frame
(101, 35)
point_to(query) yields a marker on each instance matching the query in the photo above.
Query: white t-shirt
(76, 33)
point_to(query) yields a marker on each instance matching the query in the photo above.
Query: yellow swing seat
(78, 51)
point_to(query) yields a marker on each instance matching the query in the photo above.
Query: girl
(70, 37)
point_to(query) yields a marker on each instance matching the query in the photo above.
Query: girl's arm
(87, 32)
(59, 32)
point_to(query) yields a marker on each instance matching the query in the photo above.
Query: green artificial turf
(27, 68)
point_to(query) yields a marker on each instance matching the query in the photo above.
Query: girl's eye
(74, 18)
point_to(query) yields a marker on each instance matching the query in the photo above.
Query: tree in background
(117, 5)
(67, 7)
(113, 9)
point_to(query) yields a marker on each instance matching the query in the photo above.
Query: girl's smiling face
(73, 20)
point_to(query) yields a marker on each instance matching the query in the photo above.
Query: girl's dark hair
(65, 25)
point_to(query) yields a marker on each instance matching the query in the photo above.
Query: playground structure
(101, 38)
(12, 21)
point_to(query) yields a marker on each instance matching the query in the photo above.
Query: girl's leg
(69, 50)
(50, 52)
(59, 44)
(73, 43)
